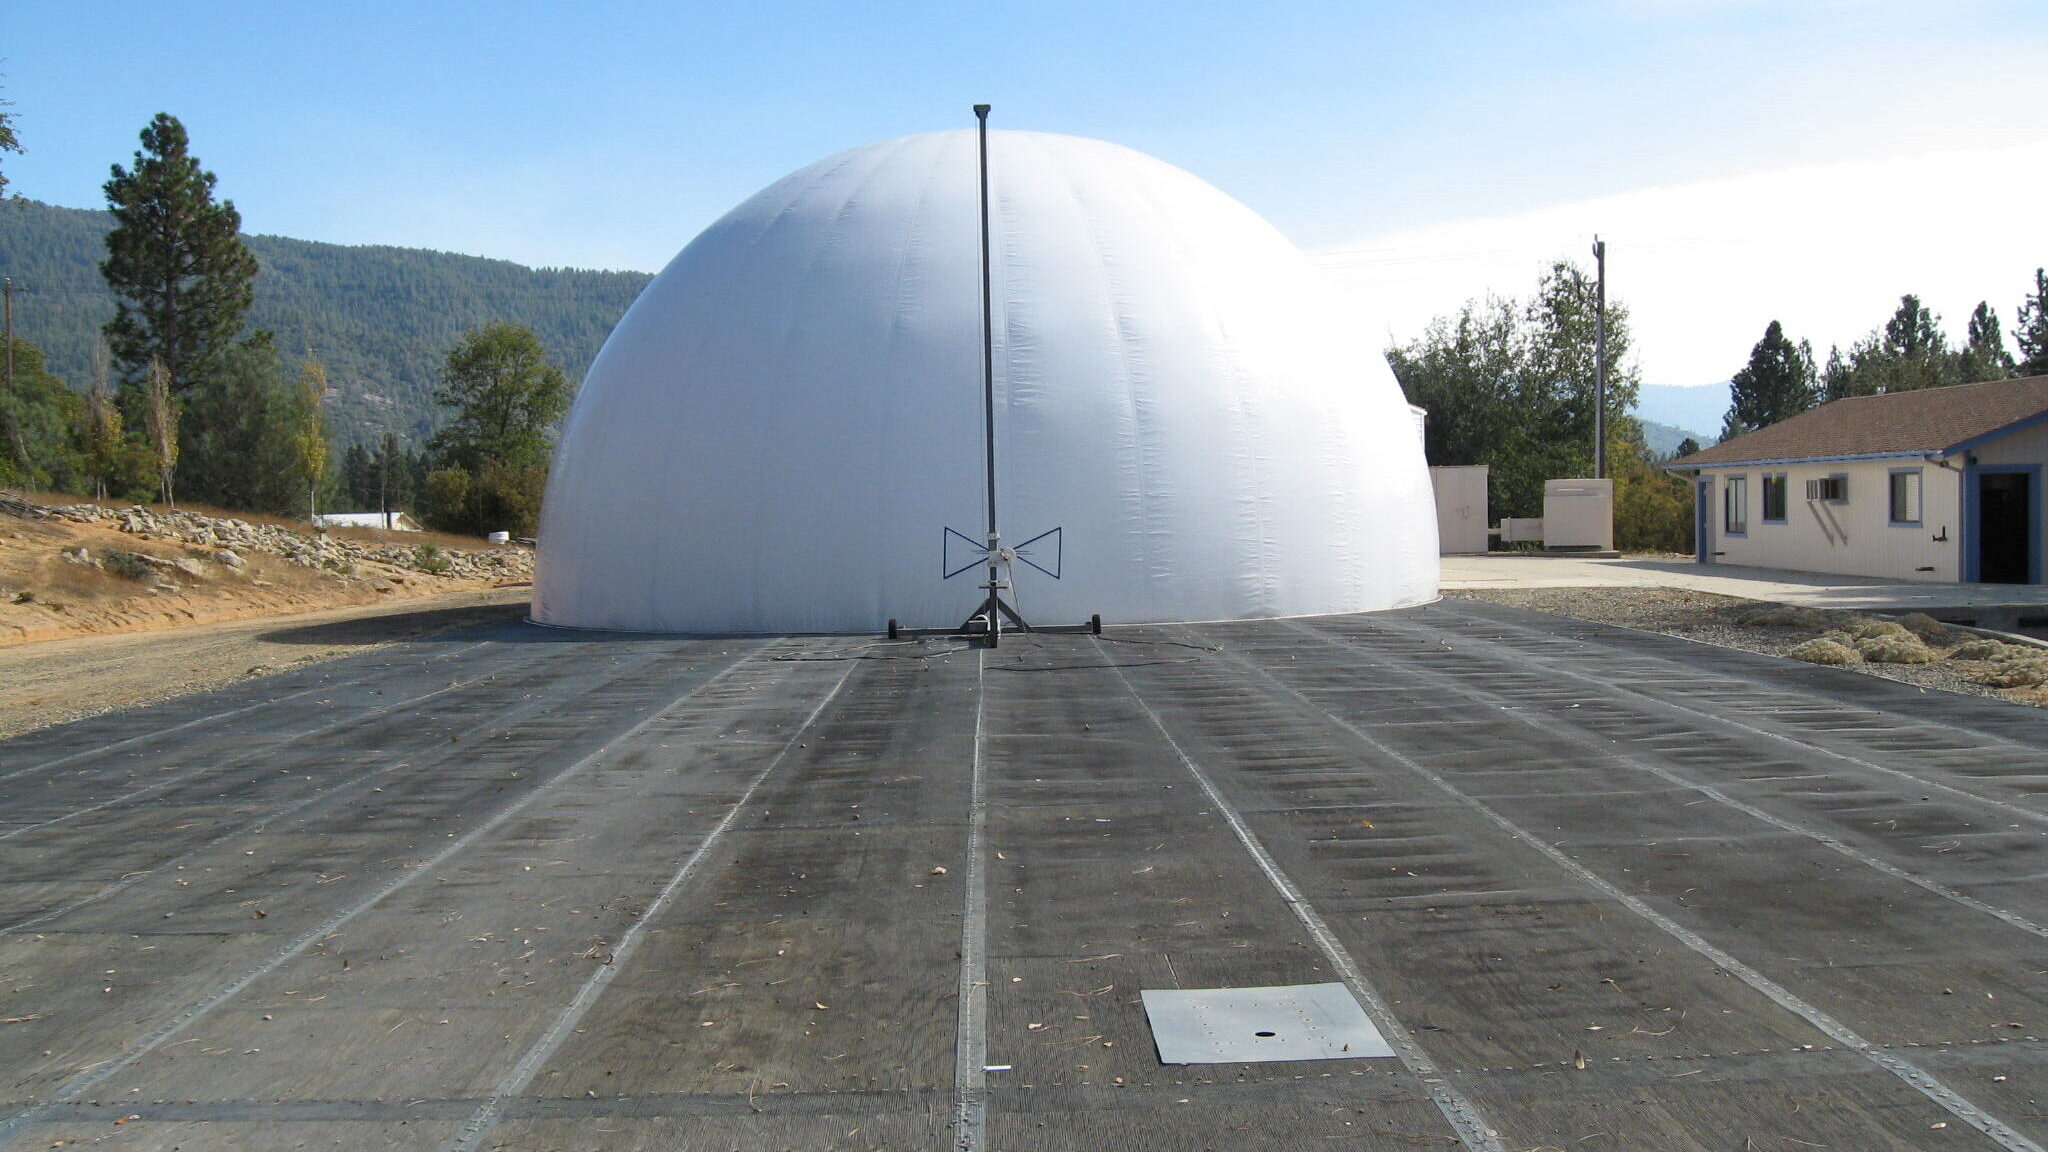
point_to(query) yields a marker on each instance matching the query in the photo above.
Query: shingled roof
(1928, 422)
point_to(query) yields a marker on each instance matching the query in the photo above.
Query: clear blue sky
(608, 134)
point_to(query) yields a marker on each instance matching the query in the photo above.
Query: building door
(2005, 530)
(1703, 520)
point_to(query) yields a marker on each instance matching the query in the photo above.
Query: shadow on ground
(424, 624)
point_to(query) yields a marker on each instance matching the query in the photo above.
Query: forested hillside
(381, 319)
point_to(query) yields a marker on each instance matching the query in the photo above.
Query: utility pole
(1600, 361)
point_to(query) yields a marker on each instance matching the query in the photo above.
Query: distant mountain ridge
(1664, 439)
(380, 318)
(1696, 411)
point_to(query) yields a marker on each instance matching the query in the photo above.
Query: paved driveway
(1529, 570)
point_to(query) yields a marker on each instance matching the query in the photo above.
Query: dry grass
(1784, 616)
(1982, 649)
(2026, 672)
(1870, 628)
(1928, 628)
(61, 580)
(1962, 661)
(1819, 651)
(1901, 647)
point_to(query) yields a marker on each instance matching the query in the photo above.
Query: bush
(2026, 673)
(1866, 628)
(1926, 627)
(447, 504)
(501, 497)
(429, 559)
(1980, 649)
(1825, 652)
(1652, 508)
(127, 565)
(510, 498)
(1903, 648)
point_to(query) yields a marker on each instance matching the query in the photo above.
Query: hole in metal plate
(1255, 1025)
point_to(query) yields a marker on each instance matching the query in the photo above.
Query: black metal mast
(988, 340)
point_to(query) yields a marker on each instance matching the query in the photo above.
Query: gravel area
(1733, 622)
(55, 681)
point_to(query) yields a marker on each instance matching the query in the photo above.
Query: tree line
(381, 319)
(185, 399)
(1510, 384)
(1908, 352)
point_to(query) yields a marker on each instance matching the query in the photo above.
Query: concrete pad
(1809, 589)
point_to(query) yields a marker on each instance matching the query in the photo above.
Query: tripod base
(987, 620)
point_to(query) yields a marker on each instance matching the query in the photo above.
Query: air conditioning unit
(1835, 488)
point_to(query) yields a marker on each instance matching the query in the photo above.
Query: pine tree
(237, 427)
(394, 477)
(1778, 382)
(356, 477)
(182, 279)
(1915, 353)
(1838, 381)
(1985, 357)
(2031, 328)
(1907, 354)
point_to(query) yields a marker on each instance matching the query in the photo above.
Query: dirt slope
(81, 569)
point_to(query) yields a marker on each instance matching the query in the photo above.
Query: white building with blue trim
(1937, 485)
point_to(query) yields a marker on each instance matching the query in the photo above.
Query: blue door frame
(1972, 533)
(1703, 520)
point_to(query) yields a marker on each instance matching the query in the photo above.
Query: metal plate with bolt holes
(1252, 1025)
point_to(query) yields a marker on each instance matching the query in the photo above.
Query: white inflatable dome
(779, 431)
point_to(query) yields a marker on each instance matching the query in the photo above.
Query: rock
(229, 558)
(190, 567)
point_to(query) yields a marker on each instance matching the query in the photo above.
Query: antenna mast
(988, 345)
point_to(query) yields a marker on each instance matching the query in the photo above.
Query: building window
(1905, 500)
(1833, 489)
(1774, 497)
(1735, 505)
